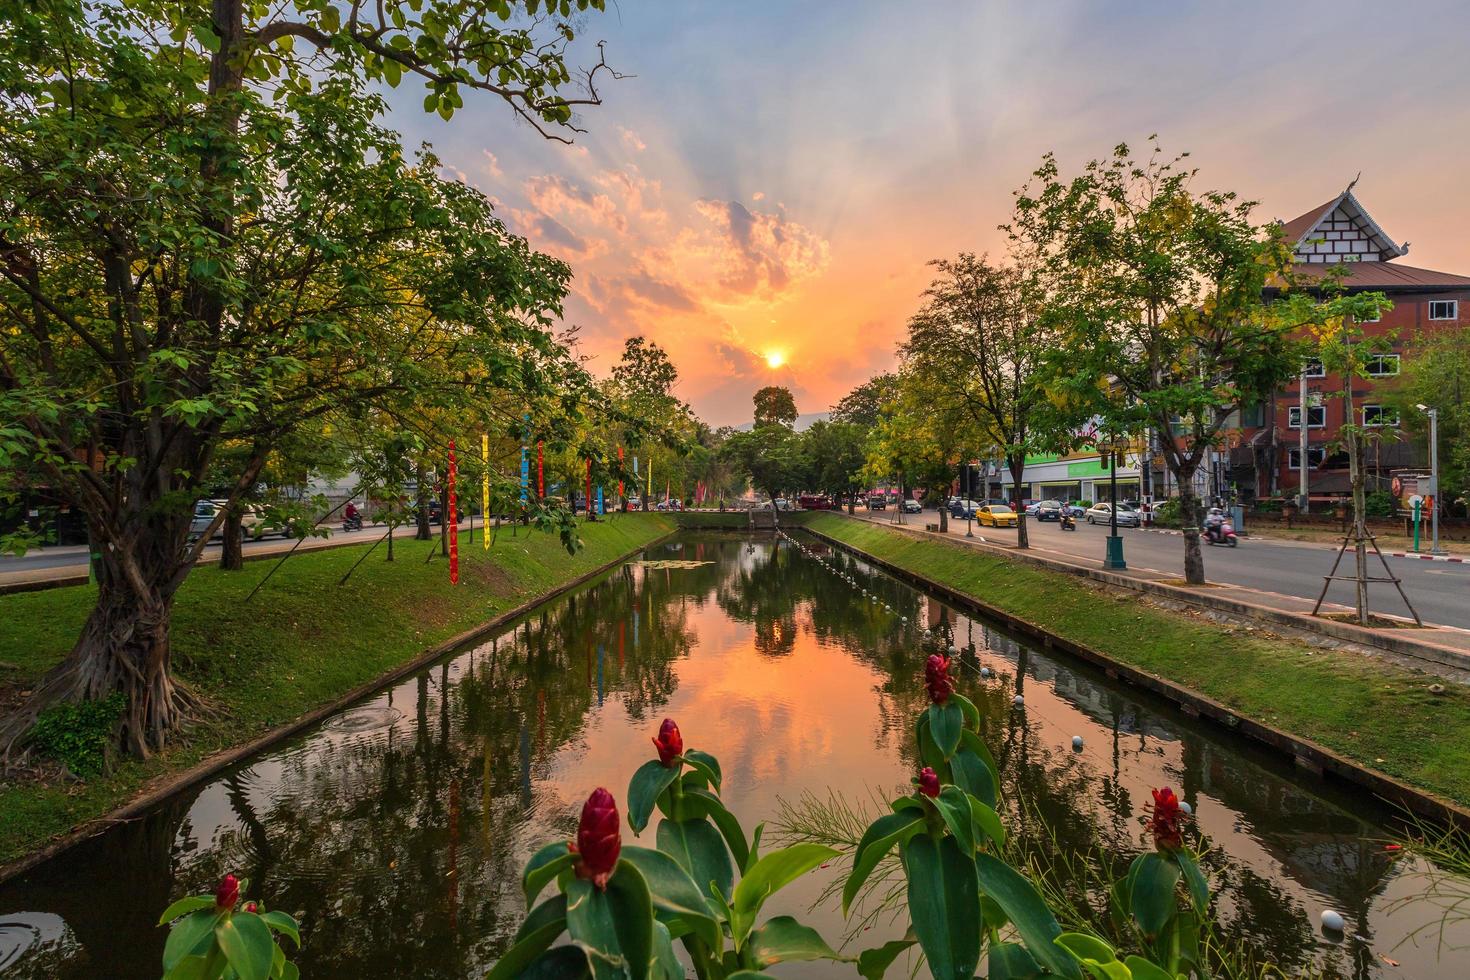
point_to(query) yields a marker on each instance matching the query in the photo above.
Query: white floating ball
(903, 619)
(1332, 921)
(984, 671)
(953, 650)
(1077, 742)
(1186, 807)
(1018, 701)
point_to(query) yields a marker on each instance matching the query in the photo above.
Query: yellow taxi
(995, 515)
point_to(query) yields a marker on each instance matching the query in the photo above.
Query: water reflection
(397, 829)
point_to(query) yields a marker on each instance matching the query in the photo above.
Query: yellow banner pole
(485, 488)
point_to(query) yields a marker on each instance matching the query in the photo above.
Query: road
(72, 560)
(1439, 590)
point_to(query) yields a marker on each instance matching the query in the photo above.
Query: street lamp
(1433, 494)
(1114, 557)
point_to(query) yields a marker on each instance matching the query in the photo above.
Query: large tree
(1155, 291)
(864, 404)
(207, 239)
(977, 343)
(774, 405)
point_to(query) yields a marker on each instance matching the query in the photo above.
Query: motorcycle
(1067, 522)
(1221, 533)
(353, 523)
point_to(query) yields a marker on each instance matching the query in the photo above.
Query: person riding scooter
(1218, 529)
(351, 517)
(1065, 520)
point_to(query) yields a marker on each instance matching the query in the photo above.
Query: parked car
(996, 515)
(814, 501)
(635, 503)
(1102, 513)
(1075, 510)
(962, 508)
(253, 524)
(877, 501)
(912, 506)
(1048, 510)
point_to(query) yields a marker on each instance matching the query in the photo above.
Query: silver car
(1103, 514)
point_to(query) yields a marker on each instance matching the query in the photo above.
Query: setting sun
(775, 358)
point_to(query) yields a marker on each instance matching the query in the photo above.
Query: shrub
(1379, 503)
(77, 733)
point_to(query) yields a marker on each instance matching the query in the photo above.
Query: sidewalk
(1447, 646)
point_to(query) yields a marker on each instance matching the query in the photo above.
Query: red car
(808, 501)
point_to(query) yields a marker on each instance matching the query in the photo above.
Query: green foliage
(774, 405)
(207, 941)
(1380, 503)
(79, 733)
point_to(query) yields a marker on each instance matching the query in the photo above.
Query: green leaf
(944, 905)
(561, 963)
(701, 802)
(536, 934)
(706, 765)
(1141, 969)
(929, 752)
(675, 895)
(666, 965)
(282, 923)
(196, 968)
(699, 849)
(543, 867)
(188, 904)
(1032, 920)
(750, 975)
(970, 773)
(766, 877)
(968, 709)
(784, 940)
(1096, 956)
(953, 805)
(195, 934)
(205, 35)
(1152, 895)
(880, 837)
(615, 924)
(1010, 961)
(651, 779)
(873, 963)
(946, 721)
(1194, 878)
(247, 944)
(987, 823)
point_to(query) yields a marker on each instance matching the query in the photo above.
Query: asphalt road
(1440, 590)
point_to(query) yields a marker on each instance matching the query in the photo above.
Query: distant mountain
(803, 422)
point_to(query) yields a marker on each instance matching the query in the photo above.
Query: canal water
(397, 829)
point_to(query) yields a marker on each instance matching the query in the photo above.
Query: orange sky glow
(762, 196)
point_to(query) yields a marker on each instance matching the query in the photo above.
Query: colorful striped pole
(453, 518)
(485, 489)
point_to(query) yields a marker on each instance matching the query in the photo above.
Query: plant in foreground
(624, 906)
(213, 940)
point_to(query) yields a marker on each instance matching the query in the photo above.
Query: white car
(252, 521)
(1103, 514)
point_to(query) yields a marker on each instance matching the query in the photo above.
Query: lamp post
(1114, 557)
(970, 489)
(1433, 494)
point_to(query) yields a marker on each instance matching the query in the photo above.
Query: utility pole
(1433, 493)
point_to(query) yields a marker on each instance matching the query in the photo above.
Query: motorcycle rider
(351, 516)
(1214, 521)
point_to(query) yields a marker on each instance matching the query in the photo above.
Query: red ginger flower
(1165, 818)
(228, 893)
(669, 742)
(937, 679)
(928, 782)
(599, 838)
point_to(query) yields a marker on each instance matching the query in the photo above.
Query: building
(1264, 457)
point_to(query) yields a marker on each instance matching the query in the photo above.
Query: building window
(1444, 309)
(1380, 415)
(1253, 416)
(1316, 417)
(1312, 368)
(1382, 365)
(1314, 458)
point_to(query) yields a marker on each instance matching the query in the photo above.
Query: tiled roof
(1381, 275)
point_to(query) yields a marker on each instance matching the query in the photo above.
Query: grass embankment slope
(1377, 714)
(300, 643)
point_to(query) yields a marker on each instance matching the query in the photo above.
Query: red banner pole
(453, 518)
(620, 482)
(589, 486)
(540, 471)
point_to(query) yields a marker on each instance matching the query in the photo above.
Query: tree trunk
(232, 553)
(944, 516)
(1194, 558)
(392, 526)
(421, 473)
(1360, 530)
(1017, 465)
(124, 644)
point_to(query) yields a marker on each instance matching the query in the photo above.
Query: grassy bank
(300, 643)
(1373, 712)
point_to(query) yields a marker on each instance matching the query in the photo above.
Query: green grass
(300, 643)
(1378, 714)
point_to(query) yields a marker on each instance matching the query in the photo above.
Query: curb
(1410, 554)
(1303, 752)
(167, 786)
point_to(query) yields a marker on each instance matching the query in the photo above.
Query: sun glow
(775, 358)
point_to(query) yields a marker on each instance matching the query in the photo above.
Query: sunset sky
(762, 197)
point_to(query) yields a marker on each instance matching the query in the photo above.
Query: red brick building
(1264, 458)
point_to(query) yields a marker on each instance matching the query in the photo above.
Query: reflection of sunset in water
(400, 827)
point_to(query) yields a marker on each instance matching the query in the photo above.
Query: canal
(397, 829)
